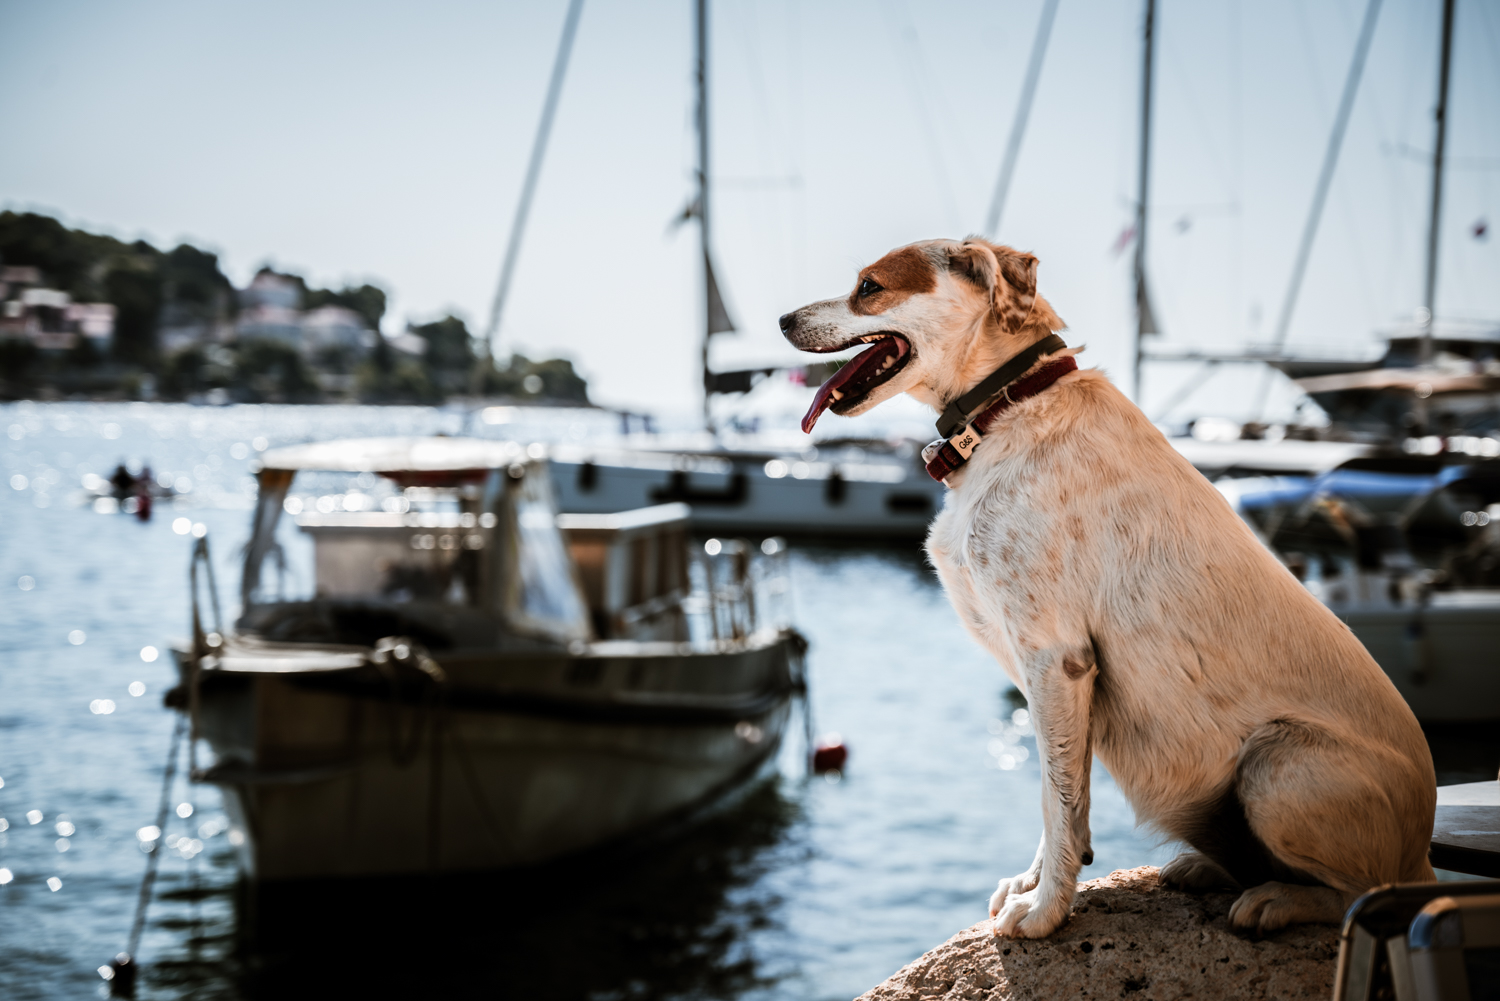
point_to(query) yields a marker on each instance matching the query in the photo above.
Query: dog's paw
(1031, 915)
(1012, 886)
(1195, 872)
(1271, 906)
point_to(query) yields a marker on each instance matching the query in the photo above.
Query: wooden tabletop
(1466, 830)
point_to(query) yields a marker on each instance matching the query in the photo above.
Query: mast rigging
(1023, 112)
(528, 191)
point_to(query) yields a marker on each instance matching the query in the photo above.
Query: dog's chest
(998, 560)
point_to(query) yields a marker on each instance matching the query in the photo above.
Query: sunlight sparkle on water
(149, 653)
(184, 810)
(137, 688)
(102, 707)
(33, 817)
(54, 884)
(6, 876)
(77, 637)
(182, 526)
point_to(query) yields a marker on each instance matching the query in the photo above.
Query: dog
(1141, 617)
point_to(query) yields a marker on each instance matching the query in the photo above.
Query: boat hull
(1444, 658)
(735, 493)
(513, 763)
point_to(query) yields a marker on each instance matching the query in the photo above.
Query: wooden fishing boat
(470, 681)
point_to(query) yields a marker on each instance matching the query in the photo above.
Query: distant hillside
(181, 330)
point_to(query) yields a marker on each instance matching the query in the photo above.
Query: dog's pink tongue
(855, 374)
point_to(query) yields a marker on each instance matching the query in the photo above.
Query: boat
(1406, 551)
(1387, 516)
(731, 482)
(834, 490)
(468, 680)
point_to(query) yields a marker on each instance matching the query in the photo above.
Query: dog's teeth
(837, 394)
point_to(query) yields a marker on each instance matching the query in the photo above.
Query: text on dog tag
(964, 441)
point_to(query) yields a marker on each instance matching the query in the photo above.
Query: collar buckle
(965, 440)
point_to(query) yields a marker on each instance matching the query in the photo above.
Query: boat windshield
(485, 540)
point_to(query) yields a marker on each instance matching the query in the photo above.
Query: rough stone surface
(1127, 937)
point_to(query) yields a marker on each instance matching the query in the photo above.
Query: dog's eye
(868, 287)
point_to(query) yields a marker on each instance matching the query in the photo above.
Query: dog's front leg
(1035, 903)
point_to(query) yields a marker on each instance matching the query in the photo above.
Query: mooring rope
(123, 966)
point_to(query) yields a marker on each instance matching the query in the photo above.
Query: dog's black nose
(786, 321)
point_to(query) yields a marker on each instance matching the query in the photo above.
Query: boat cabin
(454, 541)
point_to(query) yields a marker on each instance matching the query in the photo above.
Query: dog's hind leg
(1332, 815)
(1034, 903)
(1194, 871)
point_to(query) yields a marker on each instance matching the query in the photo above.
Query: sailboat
(1396, 537)
(844, 488)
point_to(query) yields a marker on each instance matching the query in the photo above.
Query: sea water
(805, 888)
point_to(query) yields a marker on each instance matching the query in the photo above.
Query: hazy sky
(386, 142)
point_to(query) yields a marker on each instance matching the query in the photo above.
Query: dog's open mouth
(861, 374)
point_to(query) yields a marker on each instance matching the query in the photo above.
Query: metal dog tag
(964, 441)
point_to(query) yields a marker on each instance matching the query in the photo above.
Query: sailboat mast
(703, 216)
(1429, 298)
(1144, 323)
(486, 352)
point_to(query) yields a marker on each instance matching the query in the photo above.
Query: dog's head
(939, 316)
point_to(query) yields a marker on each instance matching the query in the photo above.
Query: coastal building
(271, 309)
(335, 329)
(49, 318)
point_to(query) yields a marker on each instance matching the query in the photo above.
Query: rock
(1130, 937)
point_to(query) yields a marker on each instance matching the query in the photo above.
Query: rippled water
(805, 889)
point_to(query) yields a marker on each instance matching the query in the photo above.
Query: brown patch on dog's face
(892, 280)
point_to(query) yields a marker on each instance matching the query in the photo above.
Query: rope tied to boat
(389, 656)
(123, 968)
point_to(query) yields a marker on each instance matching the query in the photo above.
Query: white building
(334, 328)
(49, 318)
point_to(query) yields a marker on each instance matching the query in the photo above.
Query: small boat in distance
(473, 682)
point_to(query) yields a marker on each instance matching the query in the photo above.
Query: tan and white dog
(1143, 620)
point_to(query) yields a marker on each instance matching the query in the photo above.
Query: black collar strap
(962, 409)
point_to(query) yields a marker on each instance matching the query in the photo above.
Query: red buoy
(830, 755)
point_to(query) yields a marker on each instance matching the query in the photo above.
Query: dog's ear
(974, 262)
(1009, 277)
(1015, 293)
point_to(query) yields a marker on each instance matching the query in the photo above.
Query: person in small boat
(143, 484)
(123, 482)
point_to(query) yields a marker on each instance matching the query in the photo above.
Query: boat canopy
(399, 458)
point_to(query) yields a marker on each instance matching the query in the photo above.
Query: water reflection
(669, 920)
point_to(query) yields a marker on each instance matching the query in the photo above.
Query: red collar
(951, 454)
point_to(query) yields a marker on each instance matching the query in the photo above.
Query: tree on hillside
(135, 277)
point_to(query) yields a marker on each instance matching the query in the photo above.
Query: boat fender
(830, 755)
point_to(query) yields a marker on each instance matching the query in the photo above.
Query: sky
(386, 142)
